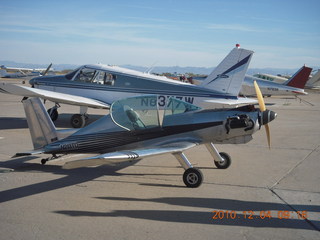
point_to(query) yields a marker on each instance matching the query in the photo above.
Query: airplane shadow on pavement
(71, 176)
(206, 217)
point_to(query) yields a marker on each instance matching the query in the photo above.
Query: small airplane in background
(97, 86)
(314, 81)
(293, 86)
(137, 128)
(23, 72)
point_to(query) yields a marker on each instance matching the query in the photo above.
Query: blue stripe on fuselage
(199, 92)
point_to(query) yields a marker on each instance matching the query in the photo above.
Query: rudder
(228, 76)
(300, 78)
(42, 129)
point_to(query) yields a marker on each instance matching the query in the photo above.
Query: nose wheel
(225, 163)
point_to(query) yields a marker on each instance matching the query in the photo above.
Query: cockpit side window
(174, 113)
(85, 75)
(104, 78)
(176, 106)
(89, 75)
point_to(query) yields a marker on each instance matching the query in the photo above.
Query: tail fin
(299, 79)
(228, 76)
(42, 129)
(315, 79)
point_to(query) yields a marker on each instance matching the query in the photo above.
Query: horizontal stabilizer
(36, 152)
(115, 157)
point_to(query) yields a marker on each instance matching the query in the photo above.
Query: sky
(282, 33)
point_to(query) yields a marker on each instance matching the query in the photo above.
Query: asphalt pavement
(265, 194)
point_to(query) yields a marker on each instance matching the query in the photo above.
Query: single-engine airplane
(98, 86)
(293, 86)
(23, 72)
(137, 128)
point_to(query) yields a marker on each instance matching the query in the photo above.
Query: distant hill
(156, 69)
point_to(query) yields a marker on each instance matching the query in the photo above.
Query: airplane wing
(238, 101)
(25, 91)
(115, 157)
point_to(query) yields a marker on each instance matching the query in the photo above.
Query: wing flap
(25, 91)
(115, 157)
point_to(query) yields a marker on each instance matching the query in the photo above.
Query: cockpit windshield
(142, 112)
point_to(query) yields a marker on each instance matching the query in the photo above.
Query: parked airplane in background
(314, 81)
(293, 86)
(22, 72)
(100, 85)
(137, 128)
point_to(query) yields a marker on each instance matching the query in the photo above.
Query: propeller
(266, 115)
(47, 70)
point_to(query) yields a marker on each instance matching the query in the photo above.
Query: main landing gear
(192, 177)
(77, 120)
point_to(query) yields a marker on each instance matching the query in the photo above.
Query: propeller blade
(47, 70)
(262, 107)
(259, 96)
(268, 135)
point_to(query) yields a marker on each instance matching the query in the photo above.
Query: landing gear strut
(192, 177)
(221, 160)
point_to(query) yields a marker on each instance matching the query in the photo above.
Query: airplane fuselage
(234, 126)
(125, 85)
(268, 88)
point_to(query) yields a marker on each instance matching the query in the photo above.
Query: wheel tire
(53, 113)
(78, 121)
(226, 163)
(192, 177)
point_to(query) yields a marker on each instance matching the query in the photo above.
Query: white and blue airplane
(97, 86)
(293, 86)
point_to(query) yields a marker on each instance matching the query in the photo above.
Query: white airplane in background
(22, 72)
(314, 81)
(97, 86)
(293, 86)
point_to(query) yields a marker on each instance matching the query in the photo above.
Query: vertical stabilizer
(315, 79)
(300, 78)
(42, 129)
(228, 76)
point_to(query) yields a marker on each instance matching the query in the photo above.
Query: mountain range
(157, 69)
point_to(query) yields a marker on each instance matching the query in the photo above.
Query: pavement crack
(297, 211)
(294, 167)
